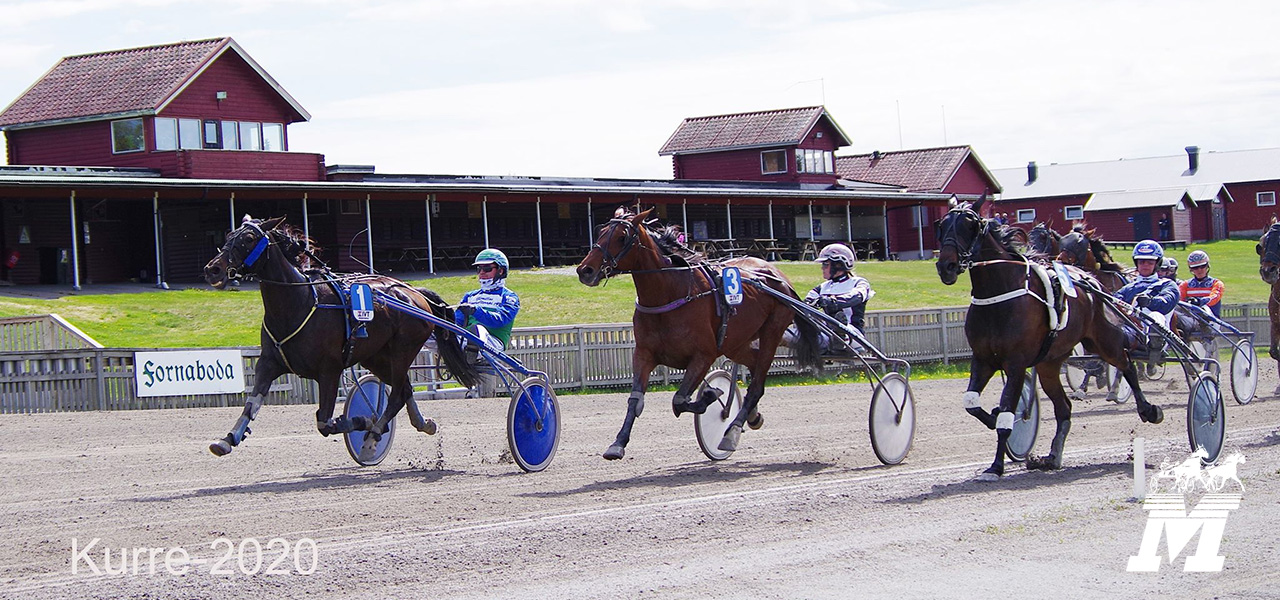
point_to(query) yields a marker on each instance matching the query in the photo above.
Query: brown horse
(681, 322)
(1044, 239)
(1269, 269)
(1086, 250)
(307, 330)
(1010, 327)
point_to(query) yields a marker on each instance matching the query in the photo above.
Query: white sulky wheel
(892, 419)
(1244, 372)
(1026, 421)
(368, 398)
(1073, 374)
(709, 426)
(1206, 417)
(1124, 391)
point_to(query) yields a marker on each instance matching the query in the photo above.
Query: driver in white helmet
(490, 311)
(842, 294)
(1168, 269)
(1202, 290)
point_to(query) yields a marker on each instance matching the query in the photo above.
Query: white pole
(848, 222)
(306, 221)
(1139, 469)
(885, 212)
(771, 236)
(728, 216)
(484, 216)
(590, 239)
(155, 215)
(431, 255)
(233, 212)
(75, 246)
(684, 216)
(920, 229)
(811, 236)
(368, 229)
(538, 208)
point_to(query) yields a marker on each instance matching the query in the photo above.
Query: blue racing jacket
(1163, 292)
(495, 309)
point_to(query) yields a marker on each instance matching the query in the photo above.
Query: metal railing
(574, 357)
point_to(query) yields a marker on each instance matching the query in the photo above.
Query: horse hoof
(1154, 416)
(756, 422)
(1044, 463)
(614, 452)
(991, 474)
(680, 408)
(220, 448)
(730, 441)
(428, 427)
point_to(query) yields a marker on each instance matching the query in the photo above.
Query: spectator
(1164, 227)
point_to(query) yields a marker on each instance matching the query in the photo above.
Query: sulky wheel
(533, 424)
(892, 419)
(1206, 417)
(1026, 421)
(368, 399)
(1124, 391)
(1073, 373)
(709, 427)
(1244, 371)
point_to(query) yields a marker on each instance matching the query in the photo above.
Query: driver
(490, 311)
(1202, 290)
(1152, 294)
(842, 294)
(1168, 268)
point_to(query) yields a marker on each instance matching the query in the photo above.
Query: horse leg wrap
(973, 406)
(1004, 422)
(635, 404)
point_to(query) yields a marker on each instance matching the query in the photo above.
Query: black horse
(1010, 327)
(307, 330)
(1269, 270)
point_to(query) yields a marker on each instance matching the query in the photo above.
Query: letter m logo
(1167, 518)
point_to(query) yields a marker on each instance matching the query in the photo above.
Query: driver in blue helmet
(490, 311)
(1151, 293)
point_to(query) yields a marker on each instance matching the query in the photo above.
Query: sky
(593, 88)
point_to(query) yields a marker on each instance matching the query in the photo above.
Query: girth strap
(280, 343)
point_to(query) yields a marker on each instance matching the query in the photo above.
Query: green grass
(207, 317)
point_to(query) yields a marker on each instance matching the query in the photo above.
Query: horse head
(242, 251)
(1044, 240)
(1074, 248)
(611, 253)
(1269, 254)
(960, 234)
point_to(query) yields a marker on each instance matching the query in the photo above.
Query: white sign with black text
(182, 372)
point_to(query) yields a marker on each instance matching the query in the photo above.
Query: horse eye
(1259, 249)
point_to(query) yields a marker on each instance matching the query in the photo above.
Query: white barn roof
(1215, 169)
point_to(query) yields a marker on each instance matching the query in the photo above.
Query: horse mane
(667, 237)
(1099, 249)
(1013, 240)
(294, 243)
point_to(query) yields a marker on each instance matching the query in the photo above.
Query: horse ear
(639, 218)
(978, 203)
(272, 223)
(245, 219)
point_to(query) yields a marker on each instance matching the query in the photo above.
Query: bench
(1125, 245)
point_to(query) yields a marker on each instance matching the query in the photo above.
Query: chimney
(1193, 158)
(1032, 172)
(875, 155)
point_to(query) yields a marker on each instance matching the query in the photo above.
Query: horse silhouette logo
(1168, 518)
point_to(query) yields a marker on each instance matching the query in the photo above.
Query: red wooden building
(1204, 195)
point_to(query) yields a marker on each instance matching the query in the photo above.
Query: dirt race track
(802, 510)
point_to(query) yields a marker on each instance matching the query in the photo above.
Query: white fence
(574, 357)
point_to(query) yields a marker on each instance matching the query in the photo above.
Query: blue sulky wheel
(892, 419)
(368, 398)
(1206, 417)
(709, 427)
(1026, 421)
(533, 425)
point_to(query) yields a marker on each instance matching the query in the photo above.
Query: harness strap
(670, 306)
(280, 343)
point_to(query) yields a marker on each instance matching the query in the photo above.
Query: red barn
(202, 109)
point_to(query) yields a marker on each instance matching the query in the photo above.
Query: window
(1266, 198)
(126, 136)
(1073, 213)
(814, 161)
(250, 136)
(773, 161)
(189, 134)
(273, 137)
(1026, 215)
(166, 134)
(350, 207)
(212, 135)
(230, 135)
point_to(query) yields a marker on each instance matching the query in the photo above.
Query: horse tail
(447, 342)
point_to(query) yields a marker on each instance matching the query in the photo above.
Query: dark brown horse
(1269, 270)
(1086, 250)
(307, 330)
(1044, 239)
(680, 321)
(1009, 327)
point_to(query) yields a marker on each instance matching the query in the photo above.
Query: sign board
(183, 372)
(732, 285)
(362, 302)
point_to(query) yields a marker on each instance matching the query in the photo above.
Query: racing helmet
(1169, 263)
(1148, 250)
(490, 255)
(837, 253)
(1199, 258)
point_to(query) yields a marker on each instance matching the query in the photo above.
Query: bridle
(949, 235)
(631, 237)
(1075, 245)
(1271, 245)
(251, 256)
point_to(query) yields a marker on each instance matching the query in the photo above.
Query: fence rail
(578, 356)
